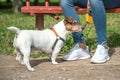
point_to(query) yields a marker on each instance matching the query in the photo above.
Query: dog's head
(71, 24)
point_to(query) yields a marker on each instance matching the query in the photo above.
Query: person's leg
(68, 10)
(99, 18)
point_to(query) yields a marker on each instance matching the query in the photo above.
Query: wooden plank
(58, 10)
(47, 10)
(114, 10)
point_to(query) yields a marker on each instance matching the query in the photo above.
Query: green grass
(24, 21)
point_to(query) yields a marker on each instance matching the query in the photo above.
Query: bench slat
(114, 10)
(58, 10)
(41, 9)
(47, 10)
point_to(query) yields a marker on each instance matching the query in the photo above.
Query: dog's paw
(17, 59)
(22, 63)
(31, 69)
(54, 62)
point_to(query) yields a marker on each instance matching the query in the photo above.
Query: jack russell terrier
(47, 40)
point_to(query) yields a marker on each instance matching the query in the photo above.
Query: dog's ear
(70, 24)
(69, 21)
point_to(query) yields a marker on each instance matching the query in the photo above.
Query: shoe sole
(85, 57)
(93, 62)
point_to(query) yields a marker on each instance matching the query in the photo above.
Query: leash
(89, 19)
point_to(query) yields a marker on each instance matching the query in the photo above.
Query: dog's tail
(12, 28)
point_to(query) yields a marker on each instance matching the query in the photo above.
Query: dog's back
(35, 39)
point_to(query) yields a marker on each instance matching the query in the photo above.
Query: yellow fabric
(89, 19)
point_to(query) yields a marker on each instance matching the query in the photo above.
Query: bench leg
(39, 21)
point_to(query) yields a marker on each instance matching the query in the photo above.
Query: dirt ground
(10, 69)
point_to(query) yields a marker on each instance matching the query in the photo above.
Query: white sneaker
(101, 55)
(74, 48)
(77, 53)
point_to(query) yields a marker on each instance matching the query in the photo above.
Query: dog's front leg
(54, 56)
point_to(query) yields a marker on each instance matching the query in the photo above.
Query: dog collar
(57, 38)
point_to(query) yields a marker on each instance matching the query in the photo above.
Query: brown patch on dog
(71, 24)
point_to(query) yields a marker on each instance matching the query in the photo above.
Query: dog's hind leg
(19, 56)
(26, 54)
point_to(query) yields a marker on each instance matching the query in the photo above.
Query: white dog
(48, 40)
